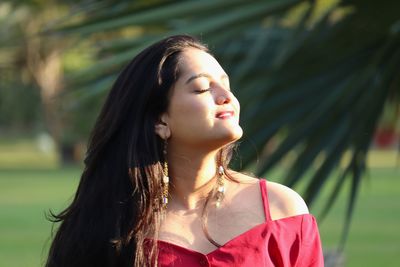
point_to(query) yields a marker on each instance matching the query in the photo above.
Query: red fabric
(292, 241)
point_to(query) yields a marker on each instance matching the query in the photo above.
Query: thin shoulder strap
(264, 194)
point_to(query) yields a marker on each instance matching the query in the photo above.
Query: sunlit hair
(115, 208)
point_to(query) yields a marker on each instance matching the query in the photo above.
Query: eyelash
(202, 91)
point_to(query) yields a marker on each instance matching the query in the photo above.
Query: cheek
(194, 107)
(191, 111)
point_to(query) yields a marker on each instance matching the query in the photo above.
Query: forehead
(194, 61)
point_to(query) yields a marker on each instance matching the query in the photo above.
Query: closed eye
(202, 91)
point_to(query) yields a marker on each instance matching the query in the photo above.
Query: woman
(156, 189)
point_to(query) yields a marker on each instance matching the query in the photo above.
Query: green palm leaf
(315, 85)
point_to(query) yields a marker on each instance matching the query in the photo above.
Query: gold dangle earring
(165, 179)
(220, 186)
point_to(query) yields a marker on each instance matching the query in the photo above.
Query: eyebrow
(204, 75)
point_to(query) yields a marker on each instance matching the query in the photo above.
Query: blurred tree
(312, 76)
(14, 80)
(31, 69)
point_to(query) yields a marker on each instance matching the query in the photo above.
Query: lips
(224, 114)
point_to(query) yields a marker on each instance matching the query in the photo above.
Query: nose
(223, 97)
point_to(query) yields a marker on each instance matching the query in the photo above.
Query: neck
(192, 177)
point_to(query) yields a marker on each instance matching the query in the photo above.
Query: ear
(162, 129)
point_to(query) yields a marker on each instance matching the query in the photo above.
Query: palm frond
(316, 87)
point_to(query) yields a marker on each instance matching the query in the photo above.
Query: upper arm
(311, 254)
(284, 202)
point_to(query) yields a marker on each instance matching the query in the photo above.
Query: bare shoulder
(284, 202)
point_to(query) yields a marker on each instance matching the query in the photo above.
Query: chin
(234, 134)
(238, 135)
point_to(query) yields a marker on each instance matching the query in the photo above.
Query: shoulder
(284, 201)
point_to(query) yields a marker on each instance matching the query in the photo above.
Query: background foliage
(313, 77)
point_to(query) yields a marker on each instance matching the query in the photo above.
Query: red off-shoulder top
(291, 241)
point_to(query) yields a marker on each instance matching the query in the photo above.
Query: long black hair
(115, 205)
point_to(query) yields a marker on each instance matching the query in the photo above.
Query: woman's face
(202, 111)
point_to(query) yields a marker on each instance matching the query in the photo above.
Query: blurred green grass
(374, 238)
(25, 197)
(30, 186)
(25, 152)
